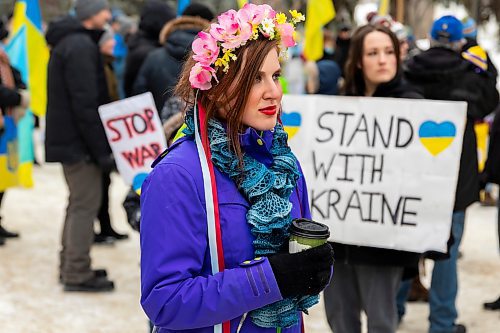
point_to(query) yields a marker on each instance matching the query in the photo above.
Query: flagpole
(400, 16)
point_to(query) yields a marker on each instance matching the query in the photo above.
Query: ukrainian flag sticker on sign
(436, 137)
(137, 182)
(291, 123)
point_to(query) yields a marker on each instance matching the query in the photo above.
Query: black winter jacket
(76, 88)
(154, 16)
(442, 74)
(140, 45)
(492, 167)
(10, 97)
(365, 255)
(160, 71)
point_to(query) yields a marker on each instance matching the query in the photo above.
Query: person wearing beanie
(85, 9)
(200, 10)
(474, 53)
(469, 28)
(107, 234)
(442, 74)
(75, 137)
(154, 15)
(124, 27)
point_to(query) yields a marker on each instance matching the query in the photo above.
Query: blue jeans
(444, 285)
(402, 297)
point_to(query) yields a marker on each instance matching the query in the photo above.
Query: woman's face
(264, 100)
(378, 62)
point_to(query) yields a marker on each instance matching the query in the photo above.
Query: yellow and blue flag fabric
(318, 13)
(28, 53)
(482, 130)
(383, 7)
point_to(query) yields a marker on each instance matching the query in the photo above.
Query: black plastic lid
(309, 229)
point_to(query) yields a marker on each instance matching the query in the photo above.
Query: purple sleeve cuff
(258, 283)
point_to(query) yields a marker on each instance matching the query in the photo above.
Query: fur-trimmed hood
(178, 35)
(182, 23)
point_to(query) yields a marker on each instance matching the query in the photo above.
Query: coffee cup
(306, 234)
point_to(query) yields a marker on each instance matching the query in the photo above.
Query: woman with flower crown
(217, 206)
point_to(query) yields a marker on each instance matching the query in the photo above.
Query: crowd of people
(232, 179)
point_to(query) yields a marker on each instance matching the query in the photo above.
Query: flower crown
(235, 29)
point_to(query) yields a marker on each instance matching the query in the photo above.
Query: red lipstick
(269, 110)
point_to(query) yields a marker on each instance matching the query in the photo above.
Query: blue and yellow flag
(319, 13)
(28, 53)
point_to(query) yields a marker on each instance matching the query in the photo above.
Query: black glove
(107, 163)
(132, 205)
(304, 273)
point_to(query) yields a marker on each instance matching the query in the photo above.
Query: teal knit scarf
(268, 191)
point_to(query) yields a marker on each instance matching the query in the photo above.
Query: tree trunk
(419, 15)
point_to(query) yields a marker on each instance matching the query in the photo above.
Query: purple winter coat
(179, 293)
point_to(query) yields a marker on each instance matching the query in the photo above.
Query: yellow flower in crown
(234, 29)
(297, 16)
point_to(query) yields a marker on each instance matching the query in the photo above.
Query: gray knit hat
(88, 8)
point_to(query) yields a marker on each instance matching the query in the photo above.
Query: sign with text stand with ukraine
(135, 134)
(381, 172)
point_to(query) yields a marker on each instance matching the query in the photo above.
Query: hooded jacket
(154, 16)
(179, 293)
(76, 88)
(442, 74)
(160, 71)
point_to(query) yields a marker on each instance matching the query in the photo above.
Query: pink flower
(268, 11)
(231, 30)
(205, 49)
(286, 32)
(201, 76)
(251, 13)
(228, 25)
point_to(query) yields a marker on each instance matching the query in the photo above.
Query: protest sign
(135, 134)
(381, 172)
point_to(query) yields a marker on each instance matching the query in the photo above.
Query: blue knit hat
(469, 28)
(447, 29)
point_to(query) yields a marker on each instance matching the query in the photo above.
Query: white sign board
(381, 172)
(135, 134)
